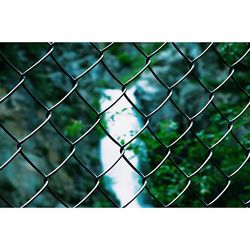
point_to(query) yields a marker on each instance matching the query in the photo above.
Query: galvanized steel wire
(146, 118)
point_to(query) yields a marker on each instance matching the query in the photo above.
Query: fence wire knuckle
(76, 85)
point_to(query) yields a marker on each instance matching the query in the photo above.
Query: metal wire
(146, 118)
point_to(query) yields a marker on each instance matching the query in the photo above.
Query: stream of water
(121, 121)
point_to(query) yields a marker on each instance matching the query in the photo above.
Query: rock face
(20, 114)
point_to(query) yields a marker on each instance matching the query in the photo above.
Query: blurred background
(172, 83)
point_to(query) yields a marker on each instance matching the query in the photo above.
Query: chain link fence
(191, 102)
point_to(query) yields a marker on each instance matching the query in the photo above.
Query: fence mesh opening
(124, 124)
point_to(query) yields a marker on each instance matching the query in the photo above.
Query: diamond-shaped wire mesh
(179, 113)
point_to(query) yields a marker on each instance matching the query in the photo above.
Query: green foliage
(231, 52)
(75, 128)
(167, 182)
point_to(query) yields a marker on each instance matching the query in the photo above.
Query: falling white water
(122, 122)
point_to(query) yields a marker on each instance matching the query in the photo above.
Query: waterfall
(121, 120)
